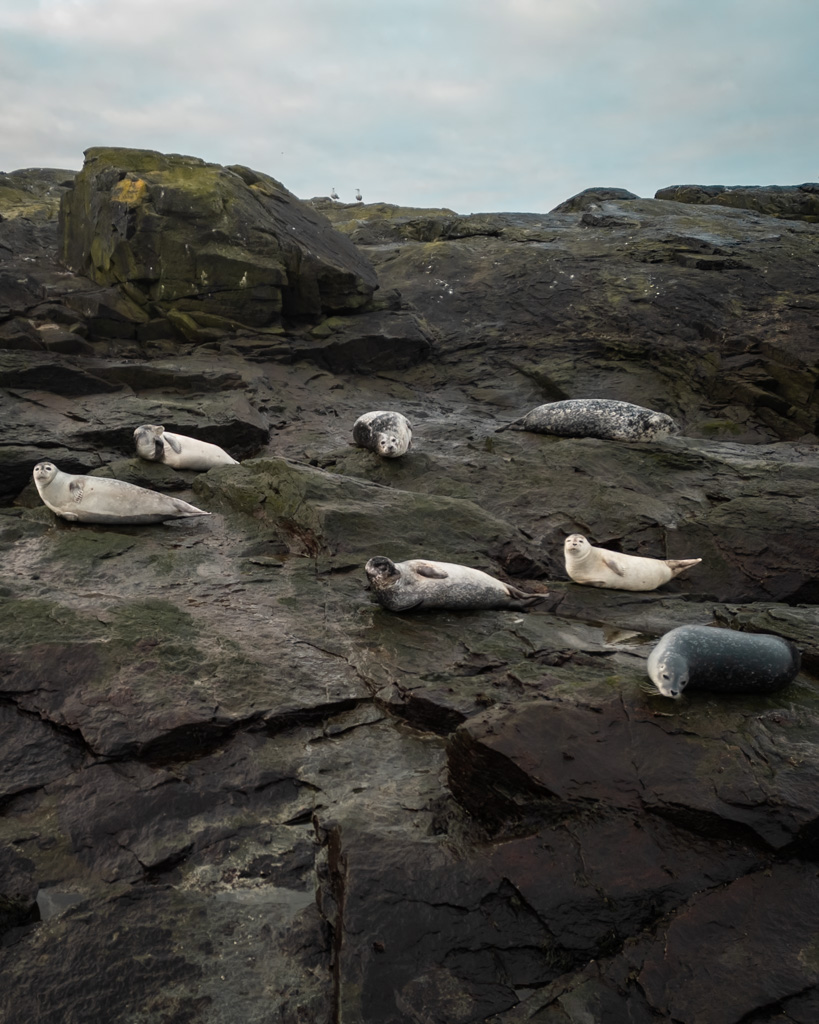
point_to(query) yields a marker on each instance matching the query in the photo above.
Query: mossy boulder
(188, 239)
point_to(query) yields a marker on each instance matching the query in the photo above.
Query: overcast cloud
(478, 105)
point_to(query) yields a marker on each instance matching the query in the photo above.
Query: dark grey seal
(706, 658)
(420, 583)
(605, 418)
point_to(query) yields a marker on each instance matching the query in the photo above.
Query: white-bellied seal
(156, 444)
(388, 434)
(707, 658)
(420, 583)
(597, 567)
(98, 499)
(605, 418)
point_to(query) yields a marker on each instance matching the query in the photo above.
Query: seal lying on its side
(604, 418)
(156, 444)
(388, 434)
(97, 499)
(705, 658)
(420, 583)
(598, 567)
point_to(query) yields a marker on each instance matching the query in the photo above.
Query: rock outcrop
(791, 202)
(235, 788)
(206, 246)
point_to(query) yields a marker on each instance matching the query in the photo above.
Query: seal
(388, 434)
(707, 658)
(420, 583)
(156, 444)
(598, 567)
(605, 418)
(97, 499)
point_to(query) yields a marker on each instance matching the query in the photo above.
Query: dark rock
(791, 202)
(231, 768)
(191, 239)
(592, 197)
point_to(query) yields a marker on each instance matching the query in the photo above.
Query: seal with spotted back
(604, 418)
(421, 583)
(598, 567)
(98, 499)
(388, 434)
(708, 658)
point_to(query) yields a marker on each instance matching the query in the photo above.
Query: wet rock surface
(236, 789)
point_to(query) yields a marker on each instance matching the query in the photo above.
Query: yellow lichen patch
(128, 191)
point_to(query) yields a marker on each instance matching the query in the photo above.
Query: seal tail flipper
(677, 565)
(521, 599)
(514, 425)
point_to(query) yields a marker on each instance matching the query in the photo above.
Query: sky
(475, 105)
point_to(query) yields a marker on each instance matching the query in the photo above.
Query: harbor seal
(705, 658)
(421, 583)
(156, 444)
(97, 499)
(388, 434)
(598, 567)
(604, 418)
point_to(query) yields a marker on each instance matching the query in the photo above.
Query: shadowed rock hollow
(234, 788)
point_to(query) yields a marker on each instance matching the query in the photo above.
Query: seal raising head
(420, 583)
(388, 434)
(599, 567)
(98, 499)
(705, 658)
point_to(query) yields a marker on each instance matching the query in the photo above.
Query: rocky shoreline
(234, 788)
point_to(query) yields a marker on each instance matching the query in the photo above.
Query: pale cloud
(489, 104)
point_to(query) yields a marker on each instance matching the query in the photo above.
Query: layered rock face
(235, 789)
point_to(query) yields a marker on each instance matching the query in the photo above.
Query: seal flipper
(521, 600)
(614, 566)
(75, 490)
(172, 441)
(431, 572)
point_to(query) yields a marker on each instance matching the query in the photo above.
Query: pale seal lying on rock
(598, 567)
(604, 418)
(705, 658)
(156, 444)
(388, 434)
(97, 499)
(420, 583)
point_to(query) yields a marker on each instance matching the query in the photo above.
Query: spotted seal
(388, 434)
(708, 658)
(156, 444)
(605, 418)
(97, 499)
(597, 567)
(421, 583)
